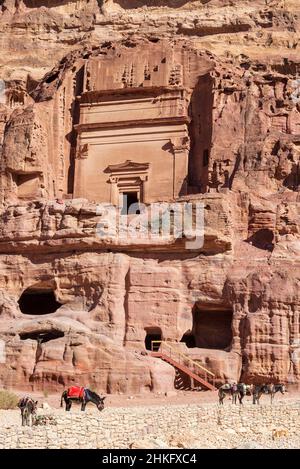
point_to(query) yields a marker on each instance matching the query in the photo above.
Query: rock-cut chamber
(212, 329)
(37, 300)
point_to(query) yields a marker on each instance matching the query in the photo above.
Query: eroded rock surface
(175, 102)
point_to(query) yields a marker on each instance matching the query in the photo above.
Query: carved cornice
(132, 123)
(151, 91)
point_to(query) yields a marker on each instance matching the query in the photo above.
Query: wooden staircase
(182, 362)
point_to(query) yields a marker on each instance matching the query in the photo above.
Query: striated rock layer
(186, 102)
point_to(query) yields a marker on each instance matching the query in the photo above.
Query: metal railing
(161, 346)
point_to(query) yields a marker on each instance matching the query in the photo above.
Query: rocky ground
(200, 423)
(160, 398)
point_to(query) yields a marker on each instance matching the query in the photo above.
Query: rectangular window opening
(129, 199)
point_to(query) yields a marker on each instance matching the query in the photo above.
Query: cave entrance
(189, 339)
(38, 300)
(211, 329)
(152, 335)
(42, 336)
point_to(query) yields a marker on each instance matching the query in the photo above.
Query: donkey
(271, 389)
(28, 409)
(227, 389)
(243, 390)
(237, 391)
(82, 395)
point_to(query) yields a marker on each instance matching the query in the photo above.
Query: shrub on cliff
(8, 400)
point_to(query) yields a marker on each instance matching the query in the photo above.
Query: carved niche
(128, 177)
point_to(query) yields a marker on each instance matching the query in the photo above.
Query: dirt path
(149, 399)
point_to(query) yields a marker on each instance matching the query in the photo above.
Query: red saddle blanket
(76, 392)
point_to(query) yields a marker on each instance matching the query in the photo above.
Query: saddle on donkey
(83, 395)
(76, 392)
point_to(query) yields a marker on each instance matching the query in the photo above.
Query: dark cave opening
(262, 239)
(38, 301)
(211, 329)
(129, 4)
(153, 334)
(42, 336)
(189, 339)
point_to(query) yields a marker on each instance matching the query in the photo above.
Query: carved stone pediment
(127, 167)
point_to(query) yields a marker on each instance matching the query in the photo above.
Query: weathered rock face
(211, 117)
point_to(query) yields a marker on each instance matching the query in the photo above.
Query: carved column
(144, 187)
(114, 191)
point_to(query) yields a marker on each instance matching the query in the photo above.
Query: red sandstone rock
(208, 116)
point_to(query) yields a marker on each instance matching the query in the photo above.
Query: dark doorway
(38, 301)
(212, 328)
(152, 334)
(129, 198)
(189, 339)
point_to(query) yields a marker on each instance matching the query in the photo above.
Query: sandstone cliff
(234, 303)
